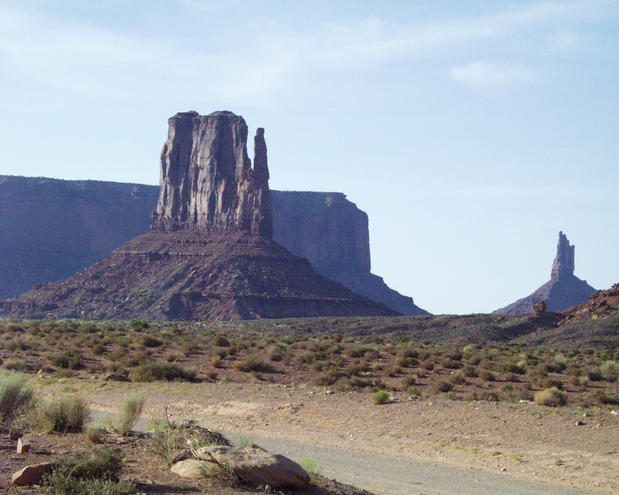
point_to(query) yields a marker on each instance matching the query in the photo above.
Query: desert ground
(454, 417)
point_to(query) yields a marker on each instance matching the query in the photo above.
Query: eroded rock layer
(185, 275)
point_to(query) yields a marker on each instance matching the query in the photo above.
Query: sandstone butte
(210, 253)
(563, 291)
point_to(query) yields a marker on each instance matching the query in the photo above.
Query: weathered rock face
(50, 229)
(563, 265)
(563, 291)
(210, 254)
(207, 181)
(332, 233)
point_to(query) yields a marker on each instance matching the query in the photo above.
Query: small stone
(23, 445)
(190, 468)
(31, 474)
(580, 423)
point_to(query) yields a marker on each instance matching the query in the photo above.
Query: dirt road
(392, 476)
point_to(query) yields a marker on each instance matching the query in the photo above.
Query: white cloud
(79, 57)
(492, 75)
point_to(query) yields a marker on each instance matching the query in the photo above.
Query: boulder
(191, 468)
(32, 474)
(540, 307)
(257, 466)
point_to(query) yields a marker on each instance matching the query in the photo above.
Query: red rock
(31, 475)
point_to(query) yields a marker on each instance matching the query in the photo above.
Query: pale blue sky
(470, 132)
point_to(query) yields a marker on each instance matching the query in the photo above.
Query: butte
(209, 254)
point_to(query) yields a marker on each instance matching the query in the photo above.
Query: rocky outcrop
(207, 181)
(602, 304)
(210, 254)
(50, 229)
(562, 291)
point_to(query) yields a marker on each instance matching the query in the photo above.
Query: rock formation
(562, 291)
(209, 255)
(50, 229)
(332, 233)
(207, 181)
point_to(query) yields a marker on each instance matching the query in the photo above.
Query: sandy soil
(570, 446)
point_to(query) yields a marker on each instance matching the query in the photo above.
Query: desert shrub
(64, 415)
(254, 364)
(129, 412)
(552, 397)
(327, 378)
(428, 364)
(95, 434)
(450, 363)
(15, 364)
(68, 360)
(221, 341)
(380, 397)
(487, 375)
(311, 467)
(150, 341)
(594, 374)
(275, 354)
(604, 398)
(457, 378)
(88, 473)
(470, 371)
(15, 397)
(513, 368)
(163, 371)
(410, 380)
(442, 386)
(609, 371)
(139, 324)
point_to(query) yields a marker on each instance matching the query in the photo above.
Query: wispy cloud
(483, 74)
(80, 57)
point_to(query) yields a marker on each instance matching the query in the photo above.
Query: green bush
(552, 397)
(15, 397)
(381, 397)
(609, 371)
(68, 360)
(95, 472)
(128, 413)
(64, 415)
(150, 341)
(163, 371)
(254, 364)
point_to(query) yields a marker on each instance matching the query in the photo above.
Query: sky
(471, 132)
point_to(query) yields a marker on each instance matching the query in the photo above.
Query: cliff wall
(50, 229)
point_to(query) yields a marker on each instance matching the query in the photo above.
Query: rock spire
(207, 181)
(563, 265)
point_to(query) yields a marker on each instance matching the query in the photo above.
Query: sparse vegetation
(552, 397)
(15, 397)
(381, 397)
(128, 413)
(63, 415)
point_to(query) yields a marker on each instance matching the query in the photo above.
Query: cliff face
(332, 233)
(209, 255)
(563, 291)
(50, 229)
(207, 180)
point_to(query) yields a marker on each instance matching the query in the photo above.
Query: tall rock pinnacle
(564, 289)
(563, 265)
(207, 181)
